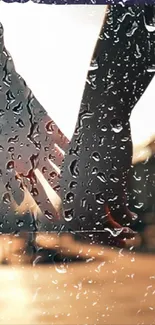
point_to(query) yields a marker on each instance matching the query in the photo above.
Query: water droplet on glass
(70, 197)
(68, 214)
(13, 139)
(50, 127)
(61, 268)
(10, 97)
(130, 12)
(53, 175)
(151, 69)
(112, 199)
(104, 128)
(48, 215)
(10, 165)
(11, 149)
(2, 112)
(93, 65)
(91, 80)
(20, 223)
(139, 205)
(96, 156)
(83, 203)
(20, 123)
(74, 168)
(116, 125)
(137, 178)
(8, 186)
(85, 114)
(6, 198)
(18, 108)
(132, 29)
(94, 170)
(34, 191)
(82, 218)
(138, 53)
(73, 185)
(113, 178)
(101, 176)
(114, 232)
(100, 198)
(125, 139)
(149, 19)
(110, 108)
(101, 141)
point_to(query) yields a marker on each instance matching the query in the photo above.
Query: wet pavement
(107, 287)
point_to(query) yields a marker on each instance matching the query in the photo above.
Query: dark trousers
(97, 164)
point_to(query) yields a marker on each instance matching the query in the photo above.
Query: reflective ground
(105, 287)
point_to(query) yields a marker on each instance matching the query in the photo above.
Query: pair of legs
(93, 185)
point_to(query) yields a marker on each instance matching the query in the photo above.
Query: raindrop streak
(112, 199)
(101, 141)
(129, 13)
(138, 53)
(84, 115)
(18, 108)
(13, 139)
(132, 30)
(10, 96)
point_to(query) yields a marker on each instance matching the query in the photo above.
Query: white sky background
(52, 47)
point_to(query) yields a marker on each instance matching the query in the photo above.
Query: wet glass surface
(77, 213)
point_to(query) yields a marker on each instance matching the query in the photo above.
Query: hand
(143, 151)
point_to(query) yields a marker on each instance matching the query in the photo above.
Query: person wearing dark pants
(96, 166)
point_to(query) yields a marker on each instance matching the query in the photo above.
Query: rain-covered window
(77, 155)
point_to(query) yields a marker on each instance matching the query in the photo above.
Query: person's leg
(95, 169)
(29, 142)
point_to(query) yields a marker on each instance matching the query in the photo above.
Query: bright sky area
(51, 47)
